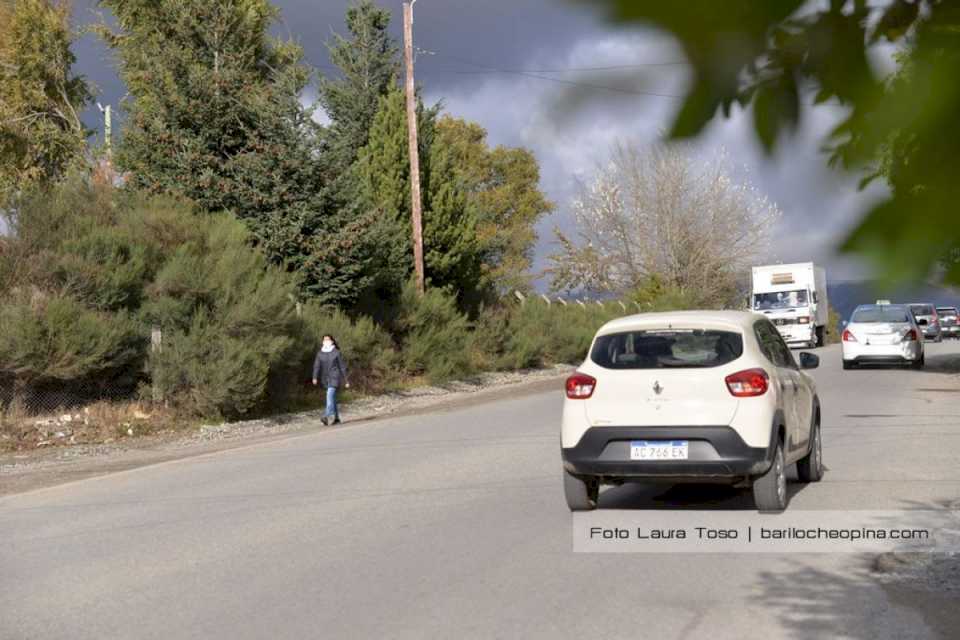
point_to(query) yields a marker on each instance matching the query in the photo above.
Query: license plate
(659, 449)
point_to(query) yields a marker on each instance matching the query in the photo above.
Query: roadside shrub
(435, 335)
(210, 373)
(539, 334)
(103, 268)
(530, 332)
(833, 330)
(53, 340)
(227, 319)
(488, 340)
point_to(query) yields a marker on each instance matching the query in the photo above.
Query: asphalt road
(453, 525)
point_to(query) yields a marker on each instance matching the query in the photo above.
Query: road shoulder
(27, 471)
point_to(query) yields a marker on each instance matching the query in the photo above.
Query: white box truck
(794, 297)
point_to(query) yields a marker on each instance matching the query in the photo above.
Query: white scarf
(327, 349)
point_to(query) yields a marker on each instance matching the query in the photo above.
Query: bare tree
(658, 215)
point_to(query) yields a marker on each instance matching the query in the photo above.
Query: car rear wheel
(810, 467)
(770, 489)
(849, 364)
(581, 492)
(919, 364)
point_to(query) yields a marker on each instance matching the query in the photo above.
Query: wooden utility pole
(416, 216)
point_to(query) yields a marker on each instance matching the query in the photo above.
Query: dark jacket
(329, 368)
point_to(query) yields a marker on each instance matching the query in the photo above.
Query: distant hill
(846, 295)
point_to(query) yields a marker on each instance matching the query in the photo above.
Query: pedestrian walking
(330, 372)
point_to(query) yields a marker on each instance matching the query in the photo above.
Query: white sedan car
(701, 396)
(882, 334)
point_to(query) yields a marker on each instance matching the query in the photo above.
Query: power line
(588, 85)
(570, 69)
(536, 74)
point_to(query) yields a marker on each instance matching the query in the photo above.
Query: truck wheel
(581, 493)
(770, 489)
(819, 336)
(919, 364)
(810, 467)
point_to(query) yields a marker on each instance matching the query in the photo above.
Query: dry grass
(102, 422)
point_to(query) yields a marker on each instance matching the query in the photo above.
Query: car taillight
(745, 384)
(580, 386)
(804, 319)
(848, 337)
(910, 335)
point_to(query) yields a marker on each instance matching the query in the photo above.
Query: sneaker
(324, 421)
(336, 421)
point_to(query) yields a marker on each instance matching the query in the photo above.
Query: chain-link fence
(53, 396)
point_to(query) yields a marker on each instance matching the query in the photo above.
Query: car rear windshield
(667, 348)
(880, 314)
(947, 312)
(922, 309)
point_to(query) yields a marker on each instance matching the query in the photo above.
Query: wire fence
(56, 396)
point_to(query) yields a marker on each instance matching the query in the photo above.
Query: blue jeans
(332, 411)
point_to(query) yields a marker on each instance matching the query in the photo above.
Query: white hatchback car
(883, 334)
(690, 396)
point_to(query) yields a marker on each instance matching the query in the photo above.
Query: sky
(526, 70)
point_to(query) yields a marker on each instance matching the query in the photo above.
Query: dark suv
(926, 316)
(949, 326)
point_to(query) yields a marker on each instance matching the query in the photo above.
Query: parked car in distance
(949, 326)
(883, 334)
(690, 396)
(927, 312)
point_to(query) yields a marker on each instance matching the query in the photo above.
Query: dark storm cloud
(496, 62)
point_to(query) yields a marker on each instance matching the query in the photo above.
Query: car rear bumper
(714, 453)
(901, 352)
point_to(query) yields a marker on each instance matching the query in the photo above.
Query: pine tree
(40, 131)
(369, 67)
(452, 248)
(382, 179)
(217, 117)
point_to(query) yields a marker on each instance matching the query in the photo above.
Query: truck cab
(794, 298)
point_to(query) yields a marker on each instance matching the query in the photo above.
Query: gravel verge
(27, 470)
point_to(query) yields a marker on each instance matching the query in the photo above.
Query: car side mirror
(809, 361)
(922, 322)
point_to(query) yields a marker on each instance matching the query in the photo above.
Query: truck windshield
(779, 300)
